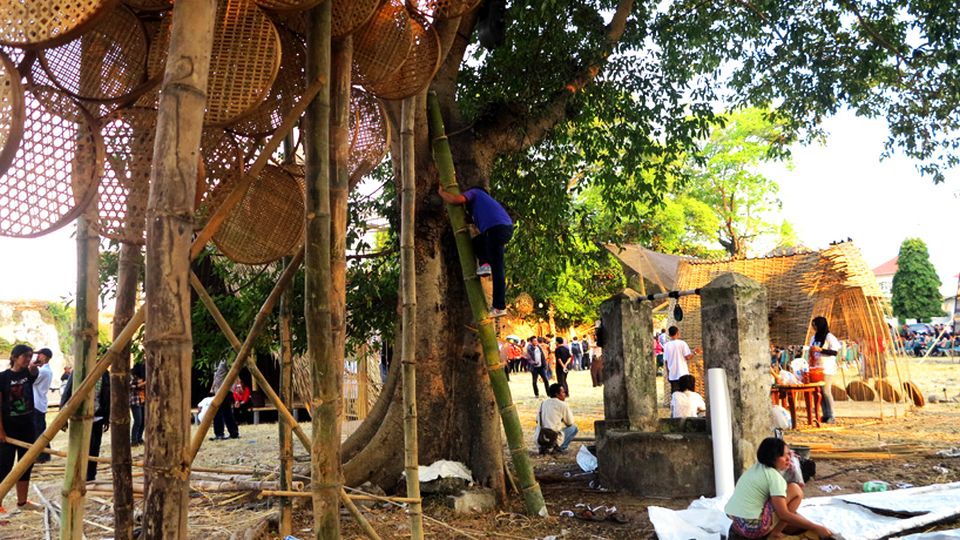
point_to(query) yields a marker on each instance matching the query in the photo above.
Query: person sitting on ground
(686, 401)
(496, 229)
(763, 504)
(555, 414)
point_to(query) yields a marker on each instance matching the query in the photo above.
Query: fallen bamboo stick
(286, 493)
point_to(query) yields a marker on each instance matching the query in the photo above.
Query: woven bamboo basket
(11, 111)
(417, 70)
(287, 5)
(381, 46)
(149, 5)
(128, 137)
(268, 224)
(55, 170)
(105, 63)
(442, 9)
(369, 134)
(223, 163)
(349, 15)
(35, 24)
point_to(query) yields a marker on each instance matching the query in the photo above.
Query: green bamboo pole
(408, 295)
(326, 375)
(532, 496)
(85, 355)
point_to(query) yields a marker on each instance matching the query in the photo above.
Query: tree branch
(511, 130)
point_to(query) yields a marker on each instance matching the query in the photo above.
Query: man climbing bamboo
(496, 229)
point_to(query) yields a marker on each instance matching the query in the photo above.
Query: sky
(834, 191)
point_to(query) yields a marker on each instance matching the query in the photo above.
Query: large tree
(916, 287)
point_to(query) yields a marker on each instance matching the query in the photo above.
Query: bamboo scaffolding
(533, 497)
(126, 335)
(85, 354)
(408, 295)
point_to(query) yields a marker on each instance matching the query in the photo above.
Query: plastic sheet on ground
(952, 534)
(586, 460)
(849, 516)
(445, 469)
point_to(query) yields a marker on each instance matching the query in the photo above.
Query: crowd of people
(546, 358)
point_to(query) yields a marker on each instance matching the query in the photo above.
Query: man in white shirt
(41, 391)
(676, 352)
(687, 402)
(555, 414)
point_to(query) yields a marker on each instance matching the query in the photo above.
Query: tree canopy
(916, 287)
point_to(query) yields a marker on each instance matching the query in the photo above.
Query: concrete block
(473, 501)
(629, 369)
(657, 464)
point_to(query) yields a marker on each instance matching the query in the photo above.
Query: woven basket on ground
(913, 394)
(54, 173)
(244, 60)
(417, 70)
(860, 391)
(887, 391)
(35, 24)
(11, 111)
(128, 136)
(839, 394)
(268, 223)
(106, 63)
(381, 46)
(369, 134)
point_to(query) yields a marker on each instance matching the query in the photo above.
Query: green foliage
(63, 317)
(916, 287)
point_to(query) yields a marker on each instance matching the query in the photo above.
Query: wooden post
(532, 496)
(85, 335)
(327, 375)
(168, 344)
(408, 300)
(128, 276)
(286, 395)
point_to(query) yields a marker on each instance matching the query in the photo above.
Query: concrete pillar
(629, 369)
(736, 338)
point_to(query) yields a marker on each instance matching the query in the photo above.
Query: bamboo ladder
(532, 496)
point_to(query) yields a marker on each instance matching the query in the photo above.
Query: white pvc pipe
(721, 431)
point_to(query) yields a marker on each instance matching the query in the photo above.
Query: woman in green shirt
(763, 504)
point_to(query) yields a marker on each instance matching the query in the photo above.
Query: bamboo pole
(340, 64)
(243, 350)
(128, 275)
(85, 354)
(285, 526)
(204, 236)
(168, 343)
(326, 403)
(408, 300)
(533, 497)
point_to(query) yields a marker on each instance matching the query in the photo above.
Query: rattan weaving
(285, 93)
(35, 24)
(11, 111)
(442, 9)
(105, 63)
(268, 222)
(244, 60)
(128, 137)
(349, 15)
(287, 5)
(222, 165)
(158, 41)
(55, 170)
(381, 46)
(369, 134)
(149, 5)
(417, 70)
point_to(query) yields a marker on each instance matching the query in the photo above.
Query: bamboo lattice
(442, 9)
(381, 46)
(128, 137)
(417, 70)
(11, 111)
(35, 24)
(369, 134)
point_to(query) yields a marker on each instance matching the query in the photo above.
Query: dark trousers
(489, 248)
(562, 378)
(39, 426)
(16, 427)
(96, 437)
(136, 432)
(225, 416)
(542, 373)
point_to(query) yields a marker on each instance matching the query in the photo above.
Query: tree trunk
(326, 372)
(128, 276)
(168, 344)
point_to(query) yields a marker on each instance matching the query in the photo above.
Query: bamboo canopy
(835, 282)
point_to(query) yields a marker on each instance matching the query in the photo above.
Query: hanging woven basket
(381, 46)
(128, 137)
(36, 24)
(11, 112)
(369, 134)
(417, 70)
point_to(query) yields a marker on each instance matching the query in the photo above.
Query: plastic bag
(586, 460)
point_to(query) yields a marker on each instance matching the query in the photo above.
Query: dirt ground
(899, 450)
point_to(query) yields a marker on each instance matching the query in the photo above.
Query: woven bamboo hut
(834, 282)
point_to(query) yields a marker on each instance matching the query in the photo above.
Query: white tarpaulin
(952, 534)
(444, 469)
(849, 516)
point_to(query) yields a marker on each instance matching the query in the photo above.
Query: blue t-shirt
(485, 210)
